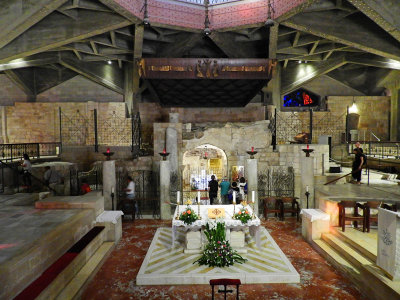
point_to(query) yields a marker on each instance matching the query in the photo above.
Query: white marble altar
(315, 222)
(234, 228)
(389, 243)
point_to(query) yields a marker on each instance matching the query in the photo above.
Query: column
(252, 181)
(307, 179)
(109, 183)
(165, 173)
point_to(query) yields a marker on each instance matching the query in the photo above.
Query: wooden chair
(354, 216)
(294, 207)
(225, 282)
(272, 205)
(375, 205)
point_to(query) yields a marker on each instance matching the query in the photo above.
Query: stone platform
(165, 266)
(32, 239)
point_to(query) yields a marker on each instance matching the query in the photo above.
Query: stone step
(369, 278)
(93, 200)
(77, 285)
(62, 279)
(363, 249)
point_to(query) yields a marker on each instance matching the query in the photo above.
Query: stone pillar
(174, 117)
(307, 179)
(252, 181)
(4, 124)
(172, 148)
(109, 183)
(165, 174)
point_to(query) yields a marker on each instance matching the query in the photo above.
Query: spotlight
(269, 23)
(207, 31)
(109, 62)
(146, 21)
(299, 61)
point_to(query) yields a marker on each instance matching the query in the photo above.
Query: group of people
(227, 190)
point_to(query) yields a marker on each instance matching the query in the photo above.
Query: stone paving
(21, 225)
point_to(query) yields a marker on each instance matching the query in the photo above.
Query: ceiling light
(109, 62)
(146, 20)
(270, 22)
(207, 31)
(299, 61)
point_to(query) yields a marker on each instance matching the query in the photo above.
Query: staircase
(356, 260)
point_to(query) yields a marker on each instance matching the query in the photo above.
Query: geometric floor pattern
(165, 266)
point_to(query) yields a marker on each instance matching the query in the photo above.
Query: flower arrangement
(243, 215)
(188, 216)
(218, 252)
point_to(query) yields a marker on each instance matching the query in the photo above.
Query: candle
(108, 150)
(112, 190)
(308, 146)
(306, 188)
(178, 196)
(164, 151)
(253, 196)
(252, 149)
(198, 197)
(234, 197)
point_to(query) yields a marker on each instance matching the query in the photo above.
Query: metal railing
(211, 2)
(10, 152)
(378, 149)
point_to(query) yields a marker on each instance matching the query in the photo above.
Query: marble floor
(21, 224)
(318, 279)
(165, 266)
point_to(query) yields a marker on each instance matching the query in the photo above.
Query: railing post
(274, 133)
(11, 152)
(96, 142)
(59, 114)
(38, 150)
(311, 124)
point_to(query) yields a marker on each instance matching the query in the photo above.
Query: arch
(200, 163)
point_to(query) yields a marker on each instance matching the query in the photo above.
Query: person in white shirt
(130, 204)
(130, 189)
(26, 170)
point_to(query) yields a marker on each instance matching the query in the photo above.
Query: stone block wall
(374, 113)
(291, 156)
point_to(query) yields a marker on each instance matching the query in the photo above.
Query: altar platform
(164, 265)
(354, 253)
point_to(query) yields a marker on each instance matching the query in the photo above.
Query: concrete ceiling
(45, 42)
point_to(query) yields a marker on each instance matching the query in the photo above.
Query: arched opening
(199, 164)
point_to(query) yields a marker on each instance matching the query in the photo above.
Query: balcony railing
(378, 149)
(10, 152)
(211, 2)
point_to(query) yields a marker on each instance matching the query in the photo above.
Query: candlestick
(253, 196)
(178, 197)
(198, 197)
(307, 188)
(253, 216)
(177, 214)
(198, 210)
(112, 190)
(234, 197)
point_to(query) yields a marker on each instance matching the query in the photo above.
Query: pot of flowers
(243, 215)
(188, 216)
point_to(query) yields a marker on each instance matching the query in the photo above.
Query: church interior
(199, 149)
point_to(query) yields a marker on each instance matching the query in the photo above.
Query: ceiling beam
(384, 13)
(226, 42)
(27, 87)
(121, 10)
(326, 25)
(297, 75)
(55, 32)
(102, 73)
(183, 44)
(295, 10)
(19, 15)
(29, 62)
(373, 61)
(138, 41)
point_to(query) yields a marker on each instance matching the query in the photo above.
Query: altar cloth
(230, 223)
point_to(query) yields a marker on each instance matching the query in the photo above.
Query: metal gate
(78, 129)
(147, 190)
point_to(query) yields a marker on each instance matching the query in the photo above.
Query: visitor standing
(212, 189)
(225, 185)
(357, 165)
(26, 171)
(51, 177)
(242, 184)
(358, 146)
(234, 188)
(129, 205)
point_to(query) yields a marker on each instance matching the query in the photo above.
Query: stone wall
(374, 113)
(291, 156)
